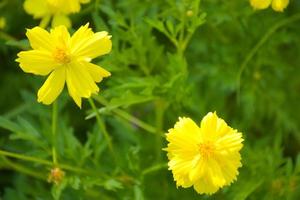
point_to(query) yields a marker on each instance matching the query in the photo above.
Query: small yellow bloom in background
(260, 4)
(277, 5)
(56, 176)
(67, 60)
(58, 10)
(206, 157)
(2, 22)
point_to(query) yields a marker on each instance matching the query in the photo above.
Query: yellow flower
(67, 60)
(206, 157)
(277, 5)
(260, 4)
(55, 9)
(2, 23)
(56, 176)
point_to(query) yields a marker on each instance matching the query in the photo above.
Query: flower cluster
(277, 5)
(58, 10)
(206, 157)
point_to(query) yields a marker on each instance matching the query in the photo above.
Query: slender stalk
(40, 161)
(54, 125)
(23, 169)
(254, 50)
(102, 127)
(155, 168)
(160, 106)
(135, 121)
(130, 118)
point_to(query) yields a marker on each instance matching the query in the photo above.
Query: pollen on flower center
(61, 56)
(206, 149)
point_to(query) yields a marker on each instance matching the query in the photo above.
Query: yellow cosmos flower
(58, 9)
(277, 5)
(67, 60)
(206, 157)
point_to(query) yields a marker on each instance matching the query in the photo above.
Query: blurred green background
(170, 58)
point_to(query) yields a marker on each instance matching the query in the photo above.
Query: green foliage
(170, 58)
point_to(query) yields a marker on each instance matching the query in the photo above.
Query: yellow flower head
(67, 60)
(56, 176)
(2, 23)
(277, 5)
(58, 9)
(206, 157)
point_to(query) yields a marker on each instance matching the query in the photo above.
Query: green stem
(40, 161)
(160, 107)
(23, 169)
(96, 5)
(154, 168)
(54, 125)
(135, 121)
(254, 50)
(128, 117)
(102, 127)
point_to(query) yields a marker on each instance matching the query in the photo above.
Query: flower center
(206, 149)
(61, 56)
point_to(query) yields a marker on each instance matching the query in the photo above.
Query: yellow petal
(230, 143)
(73, 5)
(279, 5)
(260, 4)
(230, 164)
(204, 186)
(80, 83)
(90, 45)
(60, 19)
(197, 172)
(39, 39)
(36, 62)
(209, 126)
(37, 8)
(45, 21)
(96, 72)
(52, 87)
(72, 92)
(60, 37)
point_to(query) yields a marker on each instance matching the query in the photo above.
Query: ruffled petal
(36, 62)
(96, 72)
(40, 39)
(205, 186)
(209, 126)
(80, 83)
(52, 87)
